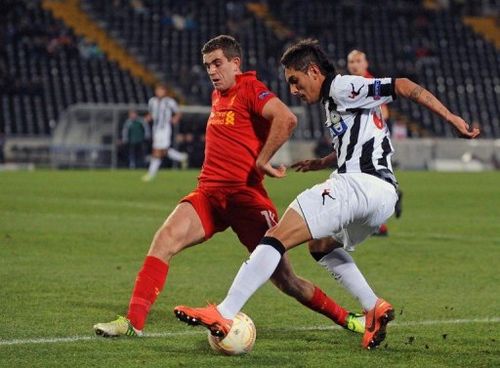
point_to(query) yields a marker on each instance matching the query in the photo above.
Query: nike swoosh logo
(371, 327)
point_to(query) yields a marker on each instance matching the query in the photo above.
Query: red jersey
(235, 133)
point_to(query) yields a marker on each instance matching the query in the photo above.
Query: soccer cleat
(355, 322)
(208, 317)
(376, 321)
(185, 162)
(119, 327)
(383, 230)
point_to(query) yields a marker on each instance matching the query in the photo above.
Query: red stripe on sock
(148, 285)
(321, 303)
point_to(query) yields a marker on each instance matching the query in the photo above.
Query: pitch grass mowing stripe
(304, 328)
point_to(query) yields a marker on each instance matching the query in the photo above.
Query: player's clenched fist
(463, 129)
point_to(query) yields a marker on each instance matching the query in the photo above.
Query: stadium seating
(434, 48)
(45, 68)
(168, 35)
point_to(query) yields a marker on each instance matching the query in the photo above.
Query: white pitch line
(55, 340)
(403, 324)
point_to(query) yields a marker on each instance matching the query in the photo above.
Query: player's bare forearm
(316, 164)
(330, 160)
(283, 122)
(418, 94)
(411, 90)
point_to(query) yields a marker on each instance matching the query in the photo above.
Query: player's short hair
(228, 44)
(305, 53)
(356, 52)
(162, 86)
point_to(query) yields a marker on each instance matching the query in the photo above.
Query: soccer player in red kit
(247, 125)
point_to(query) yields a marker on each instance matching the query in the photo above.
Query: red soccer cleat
(208, 317)
(383, 230)
(376, 321)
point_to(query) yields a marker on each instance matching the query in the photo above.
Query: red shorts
(247, 210)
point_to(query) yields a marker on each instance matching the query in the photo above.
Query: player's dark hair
(161, 85)
(305, 53)
(228, 44)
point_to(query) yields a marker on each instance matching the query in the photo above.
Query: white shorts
(347, 207)
(162, 138)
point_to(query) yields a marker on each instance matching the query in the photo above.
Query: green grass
(71, 243)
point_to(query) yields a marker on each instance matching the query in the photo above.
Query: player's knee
(321, 247)
(166, 243)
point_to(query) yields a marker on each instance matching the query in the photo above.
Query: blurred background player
(134, 133)
(357, 64)
(163, 112)
(246, 126)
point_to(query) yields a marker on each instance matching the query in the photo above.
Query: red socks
(321, 303)
(151, 279)
(148, 285)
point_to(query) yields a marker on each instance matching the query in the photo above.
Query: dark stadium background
(54, 54)
(73, 232)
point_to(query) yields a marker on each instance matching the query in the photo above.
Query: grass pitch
(71, 243)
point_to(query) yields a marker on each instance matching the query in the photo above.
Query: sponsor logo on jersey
(221, 118)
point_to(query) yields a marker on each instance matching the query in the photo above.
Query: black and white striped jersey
(360, 136)
(162, 110)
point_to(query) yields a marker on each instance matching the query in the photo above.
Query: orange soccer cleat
(208, 317)
(376, 323)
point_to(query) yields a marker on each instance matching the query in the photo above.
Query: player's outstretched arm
(316, 164)
(411, 90)
(283, 122)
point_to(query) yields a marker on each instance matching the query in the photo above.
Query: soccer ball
(239, 340)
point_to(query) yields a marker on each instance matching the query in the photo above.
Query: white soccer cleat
(119, 327)
(185, 162)
(147, 178)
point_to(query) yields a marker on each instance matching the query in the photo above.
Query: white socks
(341, 265)
(176, 155)
(154, 165)
(251, 276)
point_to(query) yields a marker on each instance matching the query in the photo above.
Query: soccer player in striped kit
(357, 198)
(246, 126)
(163, 112)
